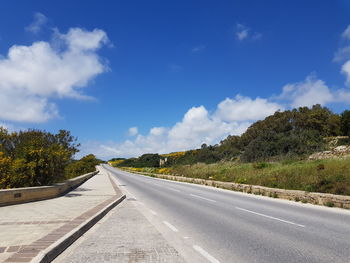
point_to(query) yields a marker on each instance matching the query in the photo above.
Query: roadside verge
(324, 199)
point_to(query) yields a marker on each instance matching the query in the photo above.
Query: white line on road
(203, 198)
(172, 189)
(205, 254)
(271, 217)
(170, 226)
(154, 213)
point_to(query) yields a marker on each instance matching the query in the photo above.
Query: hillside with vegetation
(272, 152)
(36, 158)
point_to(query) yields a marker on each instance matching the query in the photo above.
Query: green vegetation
(292, 134)
(329, 204)
(325, 176)
(272, 152)
(85, 165)
(34, 158)
(146, 160)
(345, 123)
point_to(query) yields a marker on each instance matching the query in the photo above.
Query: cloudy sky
(133, 77)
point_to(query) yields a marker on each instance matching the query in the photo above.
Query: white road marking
(205, 254)
(271, 217)
(203, 198)
(154, 213)
(170, 226)
(172, 189)
(186, 237)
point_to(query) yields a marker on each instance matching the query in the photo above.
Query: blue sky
(130, 77)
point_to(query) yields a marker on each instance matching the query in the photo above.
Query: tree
(345, 123)
(37, 157)
(85, 165)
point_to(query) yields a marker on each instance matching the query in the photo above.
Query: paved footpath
(123, 236)
(28, 229)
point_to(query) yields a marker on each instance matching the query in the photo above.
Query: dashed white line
(207, 199)
(205, 254)
(271, 217)
(172, 189)
(154, 213)
(170, 226)
(186, 237)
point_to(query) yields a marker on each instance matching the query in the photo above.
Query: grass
(329, 204)
(325, 176)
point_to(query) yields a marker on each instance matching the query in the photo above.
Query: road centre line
(172, 189)
(207, 199)
(205, 254)
(154, 213)
(271, 217)
(170, 226)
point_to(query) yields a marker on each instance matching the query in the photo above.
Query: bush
(260, 165)
(85, 165)
(34, 158)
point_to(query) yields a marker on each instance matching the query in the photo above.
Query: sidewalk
(27, 229)
(123, 236)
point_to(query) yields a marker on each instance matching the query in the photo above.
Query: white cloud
(346, 33)
(197, 126)
(198, 49)
(244, 109)
(32, 75)
(133, 131)
(39, 21)
(243, 32)
(342, 54)
(157, 131)
(346, 70)
(307, 93)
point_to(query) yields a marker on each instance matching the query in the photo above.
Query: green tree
(85, 165)
(37, 157)
(345, 123)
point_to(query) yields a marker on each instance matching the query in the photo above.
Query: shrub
(34, 158)
(260, 165)
(85, 165)
(329, 204)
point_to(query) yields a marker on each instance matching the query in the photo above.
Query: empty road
(225, 226)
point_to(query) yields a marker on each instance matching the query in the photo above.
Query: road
(226, 226)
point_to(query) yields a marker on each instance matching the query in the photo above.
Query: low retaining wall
(331, 200)
(28, 194)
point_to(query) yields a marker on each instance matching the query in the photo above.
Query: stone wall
(28, 194)
(342, 151)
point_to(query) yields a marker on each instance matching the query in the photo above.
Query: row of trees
(290, 134)
(34, 158)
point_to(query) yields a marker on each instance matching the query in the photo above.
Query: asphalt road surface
(225, 226)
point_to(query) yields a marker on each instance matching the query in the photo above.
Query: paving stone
(28, 228)
(126, 236)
